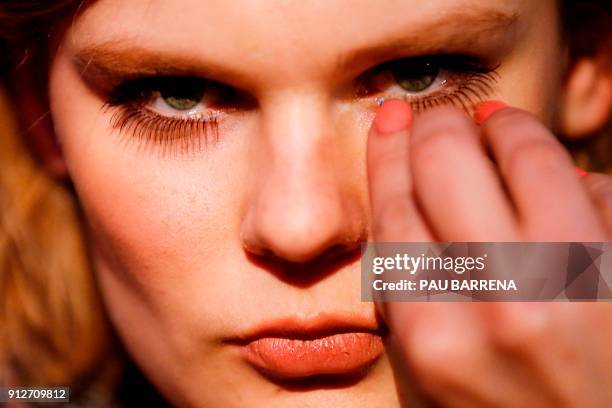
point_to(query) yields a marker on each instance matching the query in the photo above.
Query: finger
(546, 344)
(456, 183)
(600, 187)
(441, 346)
(395, 216)
(551, 200)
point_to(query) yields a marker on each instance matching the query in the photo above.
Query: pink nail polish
(486, 109)
(581, 172)
(393, 116)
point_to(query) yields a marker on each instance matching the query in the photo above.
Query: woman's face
(218, 150)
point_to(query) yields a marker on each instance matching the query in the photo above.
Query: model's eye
(415, 76)
(431, 80)
(171, 108)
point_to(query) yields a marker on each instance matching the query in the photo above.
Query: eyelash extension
(132, 117)
(143, 125)
(473, 90)
(470, 82)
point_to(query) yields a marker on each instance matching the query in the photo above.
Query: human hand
(434, 180)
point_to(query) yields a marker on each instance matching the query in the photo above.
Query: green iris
(181, 103)
(415, 75)
(183, 94)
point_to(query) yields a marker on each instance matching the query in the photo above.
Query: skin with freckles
(207, 220)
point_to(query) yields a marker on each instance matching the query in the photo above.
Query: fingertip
(581, 172)
(484, 110)
(392, 116)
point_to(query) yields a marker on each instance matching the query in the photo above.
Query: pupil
(415, 76)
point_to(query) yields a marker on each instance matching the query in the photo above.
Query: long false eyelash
(143, 125)
(473, 81)
(131, 117)
(473, 90)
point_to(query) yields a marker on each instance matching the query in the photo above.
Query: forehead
(260, 24)
(291, 37)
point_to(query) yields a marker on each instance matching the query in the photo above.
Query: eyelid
(140, 88)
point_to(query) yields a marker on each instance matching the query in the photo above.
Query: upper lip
(304, 328)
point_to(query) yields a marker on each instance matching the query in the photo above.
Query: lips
(291, 348)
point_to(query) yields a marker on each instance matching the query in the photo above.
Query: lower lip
(338, 354)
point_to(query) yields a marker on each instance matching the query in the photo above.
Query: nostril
(339, 251)
(308, 272)
(302, 248)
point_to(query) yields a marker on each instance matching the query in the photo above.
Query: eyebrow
(121, 59)
(457, 30)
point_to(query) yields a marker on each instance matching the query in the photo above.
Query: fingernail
(393, 116)
(581, 172)
(486, 109)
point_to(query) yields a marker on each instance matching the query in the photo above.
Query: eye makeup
(170, 110)
(185, 111)
(428, 81)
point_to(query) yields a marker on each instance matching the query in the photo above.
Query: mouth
(292, 348)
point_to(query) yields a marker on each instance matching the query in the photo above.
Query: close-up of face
(218, 150)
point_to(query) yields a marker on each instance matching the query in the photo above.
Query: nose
(306, 202)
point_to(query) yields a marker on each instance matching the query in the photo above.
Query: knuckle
(519, 329)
